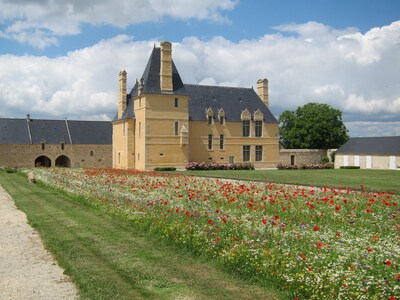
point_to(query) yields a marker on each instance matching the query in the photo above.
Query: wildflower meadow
(312, 242)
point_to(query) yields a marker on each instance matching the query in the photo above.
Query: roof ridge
(219, 86)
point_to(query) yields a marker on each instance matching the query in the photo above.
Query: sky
(61, 59)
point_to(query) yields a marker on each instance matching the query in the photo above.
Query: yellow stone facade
(161, 132)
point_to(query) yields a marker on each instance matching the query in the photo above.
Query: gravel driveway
(27, 270)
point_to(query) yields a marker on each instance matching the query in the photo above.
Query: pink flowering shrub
(213, 166)
(320, 166)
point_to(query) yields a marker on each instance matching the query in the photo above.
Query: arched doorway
(43, 161)
(63, 161)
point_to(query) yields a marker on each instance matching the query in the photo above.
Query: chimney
(28, 118)
(122, 93)
(262, 91)
(166, 67)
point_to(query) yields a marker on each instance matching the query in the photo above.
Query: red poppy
(337, 207)
(210, 222)
(276, 218)
(320, 245)
(264, 221)
(316, 228)
(370, 249)
(388, 262)
(338, 234)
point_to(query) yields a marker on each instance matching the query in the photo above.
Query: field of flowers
(314, 243)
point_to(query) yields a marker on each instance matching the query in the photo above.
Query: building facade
(48, 143)
(163, 122)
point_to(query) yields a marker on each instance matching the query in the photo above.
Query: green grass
(373, 180)
(108, 258)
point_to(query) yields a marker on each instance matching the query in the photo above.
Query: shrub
(325, 160)
(349, 167)
(164, 169)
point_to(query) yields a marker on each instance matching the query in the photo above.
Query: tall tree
(312, 126)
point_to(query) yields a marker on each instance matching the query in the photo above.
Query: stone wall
(24, 156)
(302, 156)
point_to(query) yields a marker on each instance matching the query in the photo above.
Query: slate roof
(233, 100)
(16, 131)
(389, 145)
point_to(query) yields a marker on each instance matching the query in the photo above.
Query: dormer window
(246, 117)
(258, 123)
(210, 116)
(221, 116)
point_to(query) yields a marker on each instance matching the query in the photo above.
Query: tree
(312, 126)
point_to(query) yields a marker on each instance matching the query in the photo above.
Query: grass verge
(108, 259)
(372, 180)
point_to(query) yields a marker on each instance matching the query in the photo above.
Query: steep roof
(16, 131)
(388, 145)
(233, 100)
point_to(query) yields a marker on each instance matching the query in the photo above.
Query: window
(176, 128)
(221, 120)
(176, 102)
(92, 153)
(246, 127)
(119, 157)
(210, 142)
(210, 120)
(246, 153)
(259, 153)
(140, 129)
(259, 125)
(62, 146)
(221, 142)
(43, 146)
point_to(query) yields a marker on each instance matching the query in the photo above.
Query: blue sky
(62, 60)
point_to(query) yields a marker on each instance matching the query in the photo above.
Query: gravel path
(27, 270)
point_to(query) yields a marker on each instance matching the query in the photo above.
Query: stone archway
(63, 161)
(43, 161)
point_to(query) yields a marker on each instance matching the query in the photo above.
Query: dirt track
(27, 270)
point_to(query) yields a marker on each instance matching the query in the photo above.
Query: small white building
(370, 153)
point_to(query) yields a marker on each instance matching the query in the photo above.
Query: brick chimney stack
(122, 93)
(262, 90)
(166, 67)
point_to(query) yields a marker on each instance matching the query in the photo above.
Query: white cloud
(40, 23)
(313, 65)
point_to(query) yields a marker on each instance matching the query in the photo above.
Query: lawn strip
(107, 258)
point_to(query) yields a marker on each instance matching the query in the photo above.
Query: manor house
(163, 122)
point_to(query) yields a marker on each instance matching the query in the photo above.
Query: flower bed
(212, 166)
(320, 166)
(315, 243)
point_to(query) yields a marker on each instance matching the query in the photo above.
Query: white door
(345, 160)
(392, 162)
(368, 162)
(357, 160)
